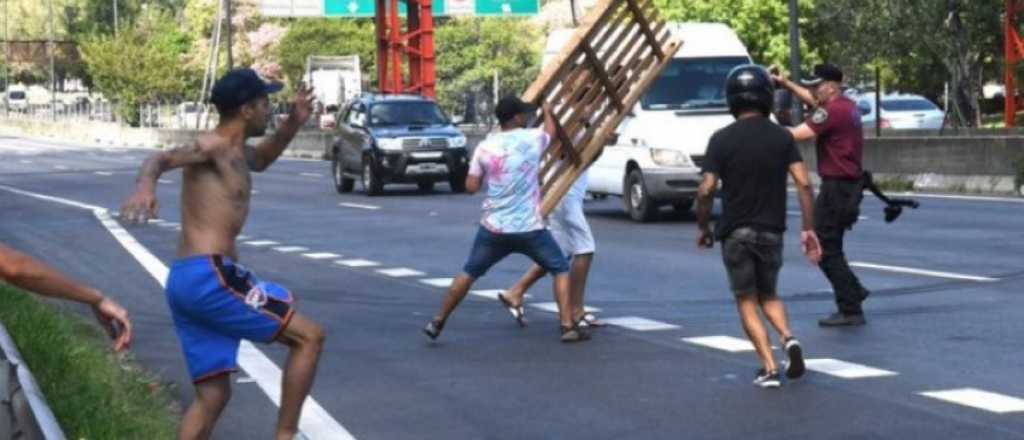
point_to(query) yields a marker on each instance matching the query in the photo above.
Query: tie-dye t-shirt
(509, 162)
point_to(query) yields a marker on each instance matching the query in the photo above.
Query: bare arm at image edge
(30, 274)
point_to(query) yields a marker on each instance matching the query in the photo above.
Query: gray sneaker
(766, 379)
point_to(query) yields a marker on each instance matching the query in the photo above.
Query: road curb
(19, 386)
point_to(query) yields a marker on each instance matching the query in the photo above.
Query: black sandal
(433, 328)
(517, 312)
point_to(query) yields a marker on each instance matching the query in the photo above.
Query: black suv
(397, 139)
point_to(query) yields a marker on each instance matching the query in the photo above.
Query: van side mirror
(865, 108)
(782, 107)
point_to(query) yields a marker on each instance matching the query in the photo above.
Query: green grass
(93, 393)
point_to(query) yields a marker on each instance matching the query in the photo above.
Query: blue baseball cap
(240, 86)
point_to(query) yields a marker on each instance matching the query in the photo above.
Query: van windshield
(17, 94)
(691, 84)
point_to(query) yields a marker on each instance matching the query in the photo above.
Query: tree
(327, 37)
(141, 64)
(920, 44)
(473, 49)
(762, 25)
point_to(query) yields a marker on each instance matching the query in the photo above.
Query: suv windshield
(17, 95)
(907, 105)
(406, 113)
(691, 84)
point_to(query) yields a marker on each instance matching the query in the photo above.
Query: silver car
(902, 112)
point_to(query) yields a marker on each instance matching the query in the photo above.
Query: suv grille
(414, 143)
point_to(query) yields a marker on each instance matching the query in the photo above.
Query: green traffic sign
(507, 7)
(367, 8)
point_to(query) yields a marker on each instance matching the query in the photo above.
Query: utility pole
(53, 77)
(230, 41)
(7, 59)
(794, 54)
(115, 18)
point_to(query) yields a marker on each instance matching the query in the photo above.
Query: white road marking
(930, 273)
(165, 181)
(167, 225)
(438, 282)
(155, 221)
(25, 161)
(846, 370)
(724, 343)
(259, 243)
(401, 272)
(242, 237)
(357, 262)
(958, 197)
(980, 399)
(288, 249)
(359, 206)
(103, 173)
(320, 255)
(311, 174)
(493, 294)
(315, 421)
(639, 324)
(60, 167)
(553, 307)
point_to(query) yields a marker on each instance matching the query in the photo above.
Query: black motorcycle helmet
(749, 87)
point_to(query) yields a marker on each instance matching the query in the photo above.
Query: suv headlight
(670, 158)
(457, 141)
(389, 144)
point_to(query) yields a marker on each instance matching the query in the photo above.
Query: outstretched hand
(302, 105)
(114, 320)
(810, 246)
(140, 207)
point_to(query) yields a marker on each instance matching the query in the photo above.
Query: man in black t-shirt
(752, 157)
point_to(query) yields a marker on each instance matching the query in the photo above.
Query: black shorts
(752, 259)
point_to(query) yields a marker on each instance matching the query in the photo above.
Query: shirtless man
(214, 301)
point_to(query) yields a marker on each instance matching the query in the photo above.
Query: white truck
(335, 81)
(656, 158)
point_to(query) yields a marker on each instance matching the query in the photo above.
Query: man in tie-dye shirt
(509, 161)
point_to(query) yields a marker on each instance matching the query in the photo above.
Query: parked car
(901, 112)
(397, 139)
(16, 99)
(655, 160)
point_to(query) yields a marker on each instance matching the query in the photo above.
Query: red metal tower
(1014, 53)
(416, 44)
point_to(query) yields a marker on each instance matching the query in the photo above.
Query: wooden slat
(594, 82)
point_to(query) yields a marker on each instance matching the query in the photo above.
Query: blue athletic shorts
(215, 303)
(490, 248)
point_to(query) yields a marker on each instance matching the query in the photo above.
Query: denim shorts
(489, 248)
(752, 259)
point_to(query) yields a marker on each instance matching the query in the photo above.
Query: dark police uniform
(840, 146)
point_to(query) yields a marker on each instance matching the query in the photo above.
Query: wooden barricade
(594, 82)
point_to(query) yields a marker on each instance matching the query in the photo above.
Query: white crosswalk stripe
(357, 262)
(846, 370)
(437, 282)
(401, 272)
(980, 399)
(639, 324)
(320, 255)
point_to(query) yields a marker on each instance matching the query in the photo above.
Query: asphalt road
(945, 315)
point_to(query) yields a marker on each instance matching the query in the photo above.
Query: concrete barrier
(24, 413)
(978, 161)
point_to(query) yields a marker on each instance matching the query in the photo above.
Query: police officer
(835, 124)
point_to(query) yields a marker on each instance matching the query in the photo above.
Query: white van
(16, 98)
(660, 147)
